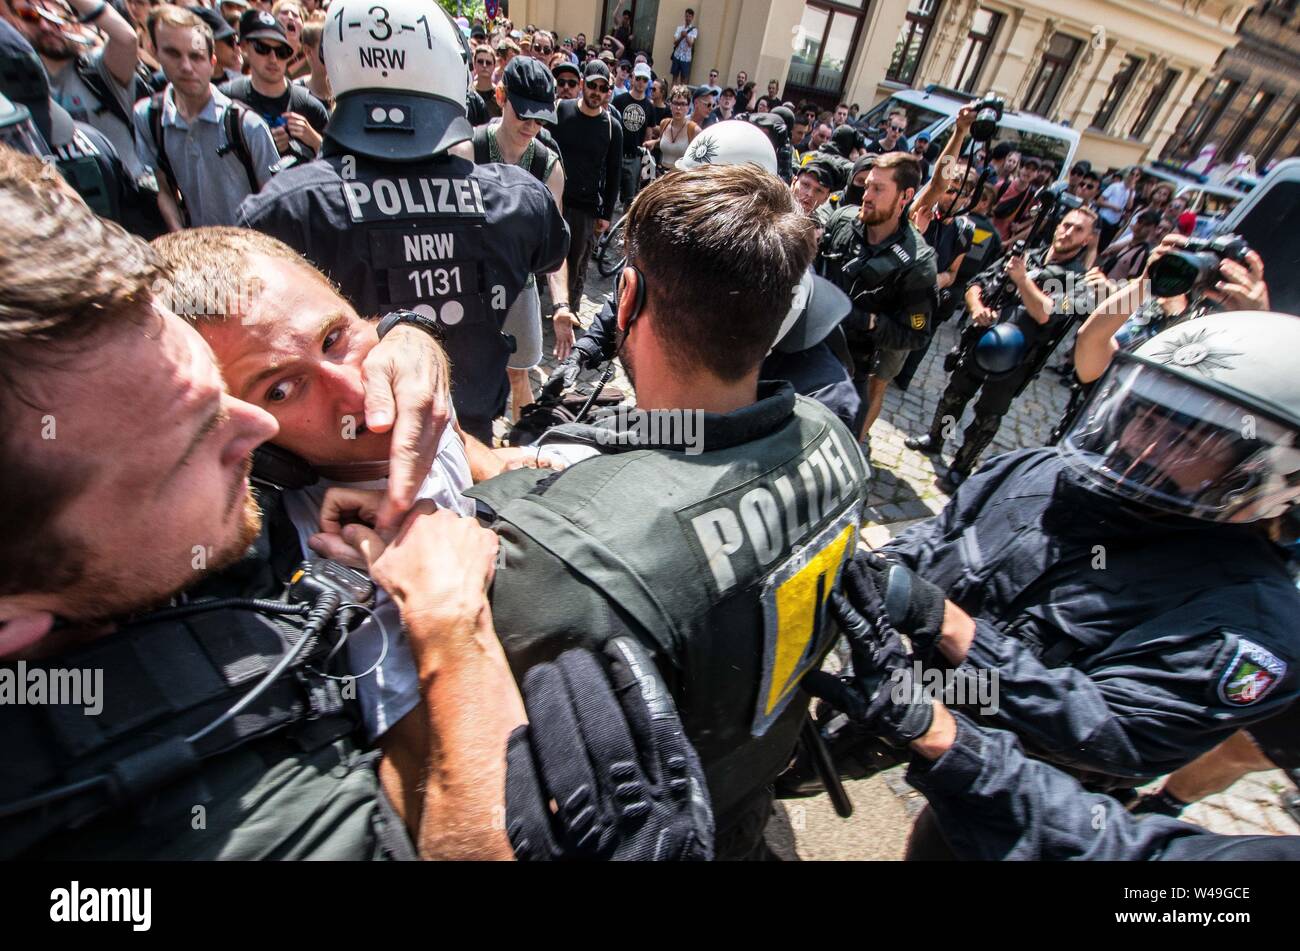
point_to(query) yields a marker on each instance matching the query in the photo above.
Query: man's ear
(21, 629)
(627, 295)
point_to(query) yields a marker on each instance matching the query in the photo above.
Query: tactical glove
(882, 693)
(912, 605)
(609, 749)
(564, 376)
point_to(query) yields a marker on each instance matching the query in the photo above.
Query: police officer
(1123, 586)
(1050, 295)
(991, 800)
(710, 521)
(874, 255)
(396, 212)
(809, 351)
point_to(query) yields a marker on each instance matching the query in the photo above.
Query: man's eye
(282, 391)
(331, 338)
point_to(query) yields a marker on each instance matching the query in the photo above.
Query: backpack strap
(154, 120)
(540, 162)
(481, 152)
(236, 143)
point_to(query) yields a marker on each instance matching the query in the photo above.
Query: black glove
(912, 605)
(882, 694)
(610, 751)
(564, 376)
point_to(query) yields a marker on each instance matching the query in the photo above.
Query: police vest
(722, 562)
(153, 782)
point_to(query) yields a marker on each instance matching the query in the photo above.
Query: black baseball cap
(221, 30)
(260, 25)
(827, 305)
(565, 67)
(823, 173)
(478, 32)
(596, 69)
(530, 87)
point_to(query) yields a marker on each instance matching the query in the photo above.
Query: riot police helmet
(400, 74)
(1000, 349)
(1202, 420)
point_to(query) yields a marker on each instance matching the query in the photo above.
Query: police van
(933, 110)
(1267, 218)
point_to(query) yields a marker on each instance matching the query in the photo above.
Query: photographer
(1131, 314)
(1047, 295)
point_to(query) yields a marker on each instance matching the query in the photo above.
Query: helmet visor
(1153, 437)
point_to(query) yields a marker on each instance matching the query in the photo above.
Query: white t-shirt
(393, 689)
(1116, 194)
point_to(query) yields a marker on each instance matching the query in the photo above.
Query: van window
(918, 117)
(1026, 143)
(1268, 227)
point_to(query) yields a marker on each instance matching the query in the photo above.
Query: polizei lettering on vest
(775, 516)
(420, 197)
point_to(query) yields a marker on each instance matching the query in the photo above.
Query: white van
(932, 110)
(1211, 202)
(1269, 219)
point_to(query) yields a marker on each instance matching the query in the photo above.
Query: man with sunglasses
(98, 88)
(894, 137)
(591, 144)
(485, 64)
(296, 117)
(568, 81)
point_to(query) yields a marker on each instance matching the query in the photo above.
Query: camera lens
(1180, 271)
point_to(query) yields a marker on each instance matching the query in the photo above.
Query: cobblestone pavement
(904, 488)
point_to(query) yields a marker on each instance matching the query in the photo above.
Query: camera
(988, 113)
(1195, 264)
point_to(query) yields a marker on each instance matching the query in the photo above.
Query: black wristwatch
(395, 317)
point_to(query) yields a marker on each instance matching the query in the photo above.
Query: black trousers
(582, 226)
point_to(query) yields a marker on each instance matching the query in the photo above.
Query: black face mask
(853, 193)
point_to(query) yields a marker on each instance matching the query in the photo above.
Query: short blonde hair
(206, 265)
(181, 19)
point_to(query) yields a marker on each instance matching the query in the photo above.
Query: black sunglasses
(599, 87)
(281, 52)
(566, 83)
(544, 52)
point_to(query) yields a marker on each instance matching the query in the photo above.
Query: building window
(1207, 116)
(824, 45)
(1255, 110)
(645, 13)
(1115, 94)
(970, 62)
(912, 40)
(1279, 134)
(1155, 101)
(1057, 60)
